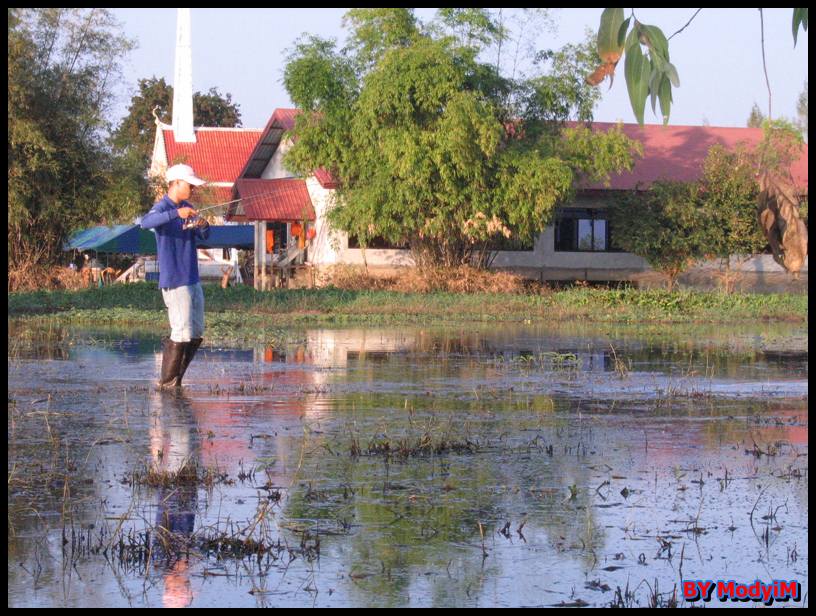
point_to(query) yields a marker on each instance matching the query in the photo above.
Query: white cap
(183, 172)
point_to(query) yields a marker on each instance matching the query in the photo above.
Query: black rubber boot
(172, 356)
(189, 353)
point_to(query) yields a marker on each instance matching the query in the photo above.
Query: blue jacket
(178, 261)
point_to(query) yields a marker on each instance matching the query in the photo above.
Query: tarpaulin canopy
(129, 239)
(132, 239)
(229, 236)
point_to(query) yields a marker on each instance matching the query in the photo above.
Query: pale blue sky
(718, 57)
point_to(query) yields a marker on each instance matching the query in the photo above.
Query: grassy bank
(242, 307)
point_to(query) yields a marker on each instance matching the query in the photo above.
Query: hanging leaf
(600, 73)
(632, 38)
(609, 49)
(654, 82)
(800, 17)
(657, 41)
(671, 71)
(665, 99)
(637, 71)
(610, 45)
(625, 27)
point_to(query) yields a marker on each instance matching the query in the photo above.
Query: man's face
(185, 190)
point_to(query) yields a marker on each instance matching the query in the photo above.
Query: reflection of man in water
(172, 435)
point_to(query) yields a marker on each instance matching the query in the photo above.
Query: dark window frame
(592, 215)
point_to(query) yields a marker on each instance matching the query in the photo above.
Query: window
(583, 230)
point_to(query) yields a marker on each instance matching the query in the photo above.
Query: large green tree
(62, 66)
(434, 148)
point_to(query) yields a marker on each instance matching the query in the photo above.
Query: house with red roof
(245, 167)
(580, 245)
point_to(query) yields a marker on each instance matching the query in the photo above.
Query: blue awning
(132, 239)
(229, 236)
(128, 239)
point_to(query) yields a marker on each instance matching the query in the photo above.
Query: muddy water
(415, 467)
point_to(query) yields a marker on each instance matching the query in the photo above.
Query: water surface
(509, 466)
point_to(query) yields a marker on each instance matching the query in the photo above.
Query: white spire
(183, 81)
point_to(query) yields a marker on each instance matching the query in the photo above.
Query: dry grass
(354, 278)
(189, 474)
(34, 277)
(461, 279)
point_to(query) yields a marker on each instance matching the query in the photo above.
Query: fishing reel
(194, 222)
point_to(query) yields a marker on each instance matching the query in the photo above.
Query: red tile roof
(285, 118)
(326, 179)
(678, 152)
(218, 155)
(284, 199)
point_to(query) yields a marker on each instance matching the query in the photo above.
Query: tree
(802, 112)
(727, 194)
(425, 145)
(562, 92)
(62, 64)
(756, 118)
(662, 225)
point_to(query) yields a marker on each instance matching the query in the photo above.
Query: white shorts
(185, 308)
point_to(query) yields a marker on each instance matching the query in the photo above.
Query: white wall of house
(585, 265)
(274, 169)
(325, 248)
(158, 162)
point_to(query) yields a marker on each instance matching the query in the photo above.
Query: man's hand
(202, 224)
(185, 212)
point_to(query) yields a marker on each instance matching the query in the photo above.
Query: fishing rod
(192, 220)
(286, 191)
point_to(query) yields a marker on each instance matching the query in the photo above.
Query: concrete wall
(274, 169)
(325, 248)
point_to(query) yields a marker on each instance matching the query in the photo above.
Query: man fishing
(177, 227)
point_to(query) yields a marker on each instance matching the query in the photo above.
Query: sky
(718, 58)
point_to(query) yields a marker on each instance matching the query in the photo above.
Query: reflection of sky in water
(410, 529)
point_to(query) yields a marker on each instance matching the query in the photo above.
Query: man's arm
(158, 217)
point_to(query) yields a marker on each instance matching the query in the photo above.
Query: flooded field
(503, 466)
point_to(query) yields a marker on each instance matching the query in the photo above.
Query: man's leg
(197, 327)
(172, 358)
(179, 310)
(179, 302)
